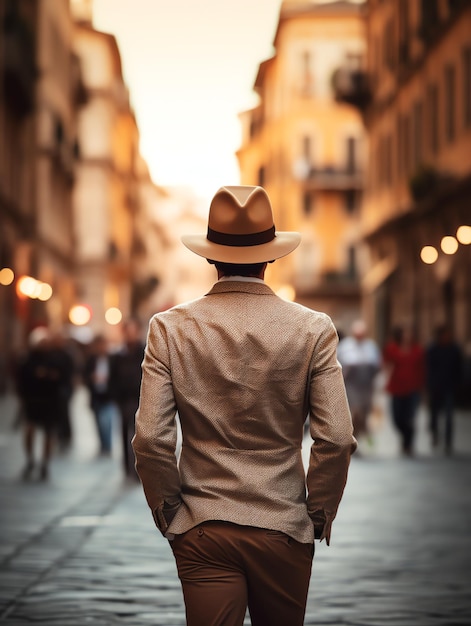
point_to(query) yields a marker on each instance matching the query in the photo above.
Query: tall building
(416, 103)
(105, 194)
(59, 96)
(17, 159)
(73, 199)
(309, 152)
(40, 93)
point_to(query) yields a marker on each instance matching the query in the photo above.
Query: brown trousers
(225, 568)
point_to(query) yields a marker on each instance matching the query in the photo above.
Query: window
(351, 164)
(467, 87)
(455, 5)
(404, 141)
(350, 201)
(308, 203)
(389, 160)
(307, 85)
(307, 150)
(433, 109)
(403, 31)
(399, 144)
(449, 80)
(385, 160)
(352, 263)
(430, 19)
(388, 45)
(406, 148)
(261, 176)
(418, 121)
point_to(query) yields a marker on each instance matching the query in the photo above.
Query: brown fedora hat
(241, 229)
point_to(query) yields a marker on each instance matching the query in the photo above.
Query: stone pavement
(82, 549)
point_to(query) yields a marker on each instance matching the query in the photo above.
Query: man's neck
(260, 276)
(244, 279)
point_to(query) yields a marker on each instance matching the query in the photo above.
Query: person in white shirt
(360, 358)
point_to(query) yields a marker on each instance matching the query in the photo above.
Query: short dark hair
(238, 269)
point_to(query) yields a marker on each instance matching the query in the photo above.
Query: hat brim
(281, 245)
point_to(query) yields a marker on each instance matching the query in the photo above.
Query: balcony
(339, 285)
(351, 86)
(334, 179)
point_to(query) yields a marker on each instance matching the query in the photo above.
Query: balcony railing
(334, 179)
(351, 87)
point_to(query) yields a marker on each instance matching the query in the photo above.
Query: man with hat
(243, 369)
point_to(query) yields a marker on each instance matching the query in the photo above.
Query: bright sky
(190, 66)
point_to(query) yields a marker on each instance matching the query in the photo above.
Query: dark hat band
(241, 241)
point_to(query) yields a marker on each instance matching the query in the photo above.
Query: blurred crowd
(436, 375)
(45, 377)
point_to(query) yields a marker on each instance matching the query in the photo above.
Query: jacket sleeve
(332, 431)
(155, 439)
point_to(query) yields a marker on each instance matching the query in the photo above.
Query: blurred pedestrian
(404, 365)
(97, 379)
(39, 391)
(125, 383)
(65, 360)
(243, 368)
(360, 358)
(444, 360)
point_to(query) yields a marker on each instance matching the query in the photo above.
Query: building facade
(39, 97)
(105, 195)
(74, 207)
(59, 97)
(416, 102)
(309, 152)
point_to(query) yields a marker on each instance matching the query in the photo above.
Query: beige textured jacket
(243, 369)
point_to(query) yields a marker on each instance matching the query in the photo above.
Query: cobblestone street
(82, 548)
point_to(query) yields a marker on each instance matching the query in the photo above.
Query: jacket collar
(228, 286)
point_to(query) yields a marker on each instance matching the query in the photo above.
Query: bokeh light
(45, 292)
(7, 276)
(113, 316)
(80, 315)
(429, 254)
(29, 287)
(26, 286)
(463, 234)
(449, 245)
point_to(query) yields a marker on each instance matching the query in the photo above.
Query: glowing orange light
(7, 276)
(449, 245)
(26, 286)
(429, 254)
(463, 234)
(80, 315)
(45, 292)
(113, 316)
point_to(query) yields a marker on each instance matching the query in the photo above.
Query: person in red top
(404, 360)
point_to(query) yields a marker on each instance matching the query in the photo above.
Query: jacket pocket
(164, 514)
